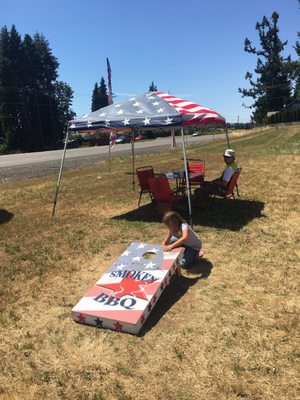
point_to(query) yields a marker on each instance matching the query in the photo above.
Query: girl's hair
(173, 221)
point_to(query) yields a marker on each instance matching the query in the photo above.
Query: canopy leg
(60, 174)
(187, 178)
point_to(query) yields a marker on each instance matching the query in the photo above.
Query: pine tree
(152, 87)
(95, 98)
(272, 88)
(34, 106)
(62, 103)
(10, 83)
(293, 69)
(296, 68)
(103, 96)
(296, 78)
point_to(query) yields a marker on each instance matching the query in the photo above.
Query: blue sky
(194, 49)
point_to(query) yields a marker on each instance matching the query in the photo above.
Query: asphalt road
(29, 165)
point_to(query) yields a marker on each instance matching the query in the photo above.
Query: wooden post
(227, 138)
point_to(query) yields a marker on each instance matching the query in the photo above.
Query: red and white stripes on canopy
(197, 113)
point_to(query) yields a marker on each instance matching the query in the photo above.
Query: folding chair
(196, 171)
(162, 194)
(196, 167)
(231, 185)
(143, 174)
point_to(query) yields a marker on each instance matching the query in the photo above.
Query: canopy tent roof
(145, 111)
(150, 110)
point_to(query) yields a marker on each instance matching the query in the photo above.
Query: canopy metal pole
(111, 142)
(227, 137)
(60, 174)
(187, 177)
(133, 161)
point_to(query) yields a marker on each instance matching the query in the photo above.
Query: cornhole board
(124, 296)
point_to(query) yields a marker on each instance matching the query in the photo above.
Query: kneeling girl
(181, 235)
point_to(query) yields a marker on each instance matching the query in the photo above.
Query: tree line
(35, 106)
(99, 95)
(276, 79)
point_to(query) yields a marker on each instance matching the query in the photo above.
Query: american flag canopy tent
(150, 110)
(144, 111)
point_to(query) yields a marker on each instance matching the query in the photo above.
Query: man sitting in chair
(217, 186)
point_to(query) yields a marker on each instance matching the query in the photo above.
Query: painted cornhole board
(124, 296)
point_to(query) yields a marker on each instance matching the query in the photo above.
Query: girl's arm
(167, 239)
(178, 242)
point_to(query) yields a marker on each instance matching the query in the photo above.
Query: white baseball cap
(229, 153)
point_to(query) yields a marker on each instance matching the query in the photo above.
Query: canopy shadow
(177, 288)
(230, 214)
(222, 214)
(145, 213)
(5, 216)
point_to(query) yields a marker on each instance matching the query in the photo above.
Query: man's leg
(202, 194)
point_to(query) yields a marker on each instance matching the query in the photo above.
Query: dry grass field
(232, 333)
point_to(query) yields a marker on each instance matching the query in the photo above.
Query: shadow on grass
(5, 216)
(202, 269)
(177, 288)
(145, 213)
(222, 214)
(229, 213)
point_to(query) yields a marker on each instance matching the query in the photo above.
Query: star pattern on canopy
(147, 110)
(168, 121)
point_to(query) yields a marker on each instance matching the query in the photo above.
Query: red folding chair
(143, 174)
(196, 171)
(232, 185)
(196, 167)
(162, 194)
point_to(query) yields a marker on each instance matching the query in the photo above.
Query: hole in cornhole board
(149, 254)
